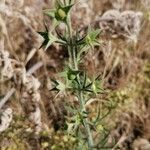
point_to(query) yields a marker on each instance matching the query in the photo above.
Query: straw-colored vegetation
(96, 98)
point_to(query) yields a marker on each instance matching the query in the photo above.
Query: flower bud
(62, 13)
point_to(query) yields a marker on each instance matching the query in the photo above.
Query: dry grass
(125, 65)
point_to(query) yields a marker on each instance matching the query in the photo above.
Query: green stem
(85, 122)
(75, 60)
(70, 47)
(74, 64)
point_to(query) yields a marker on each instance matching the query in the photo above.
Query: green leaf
(62, 37)
(49, 39)
(91, 38)
(50, 12)
(67, 8)
(81, 41)
(70, 127)
(84, 79)
(58, 86)
(96, 86)
(46, 38)
(52, 39)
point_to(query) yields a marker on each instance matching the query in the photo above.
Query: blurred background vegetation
(125, 63)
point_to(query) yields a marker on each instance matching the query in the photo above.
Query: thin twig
(35, 67)
(7, 96)
(121, 140)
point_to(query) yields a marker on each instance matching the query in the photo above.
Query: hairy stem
(74, 64)
(85, 121)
